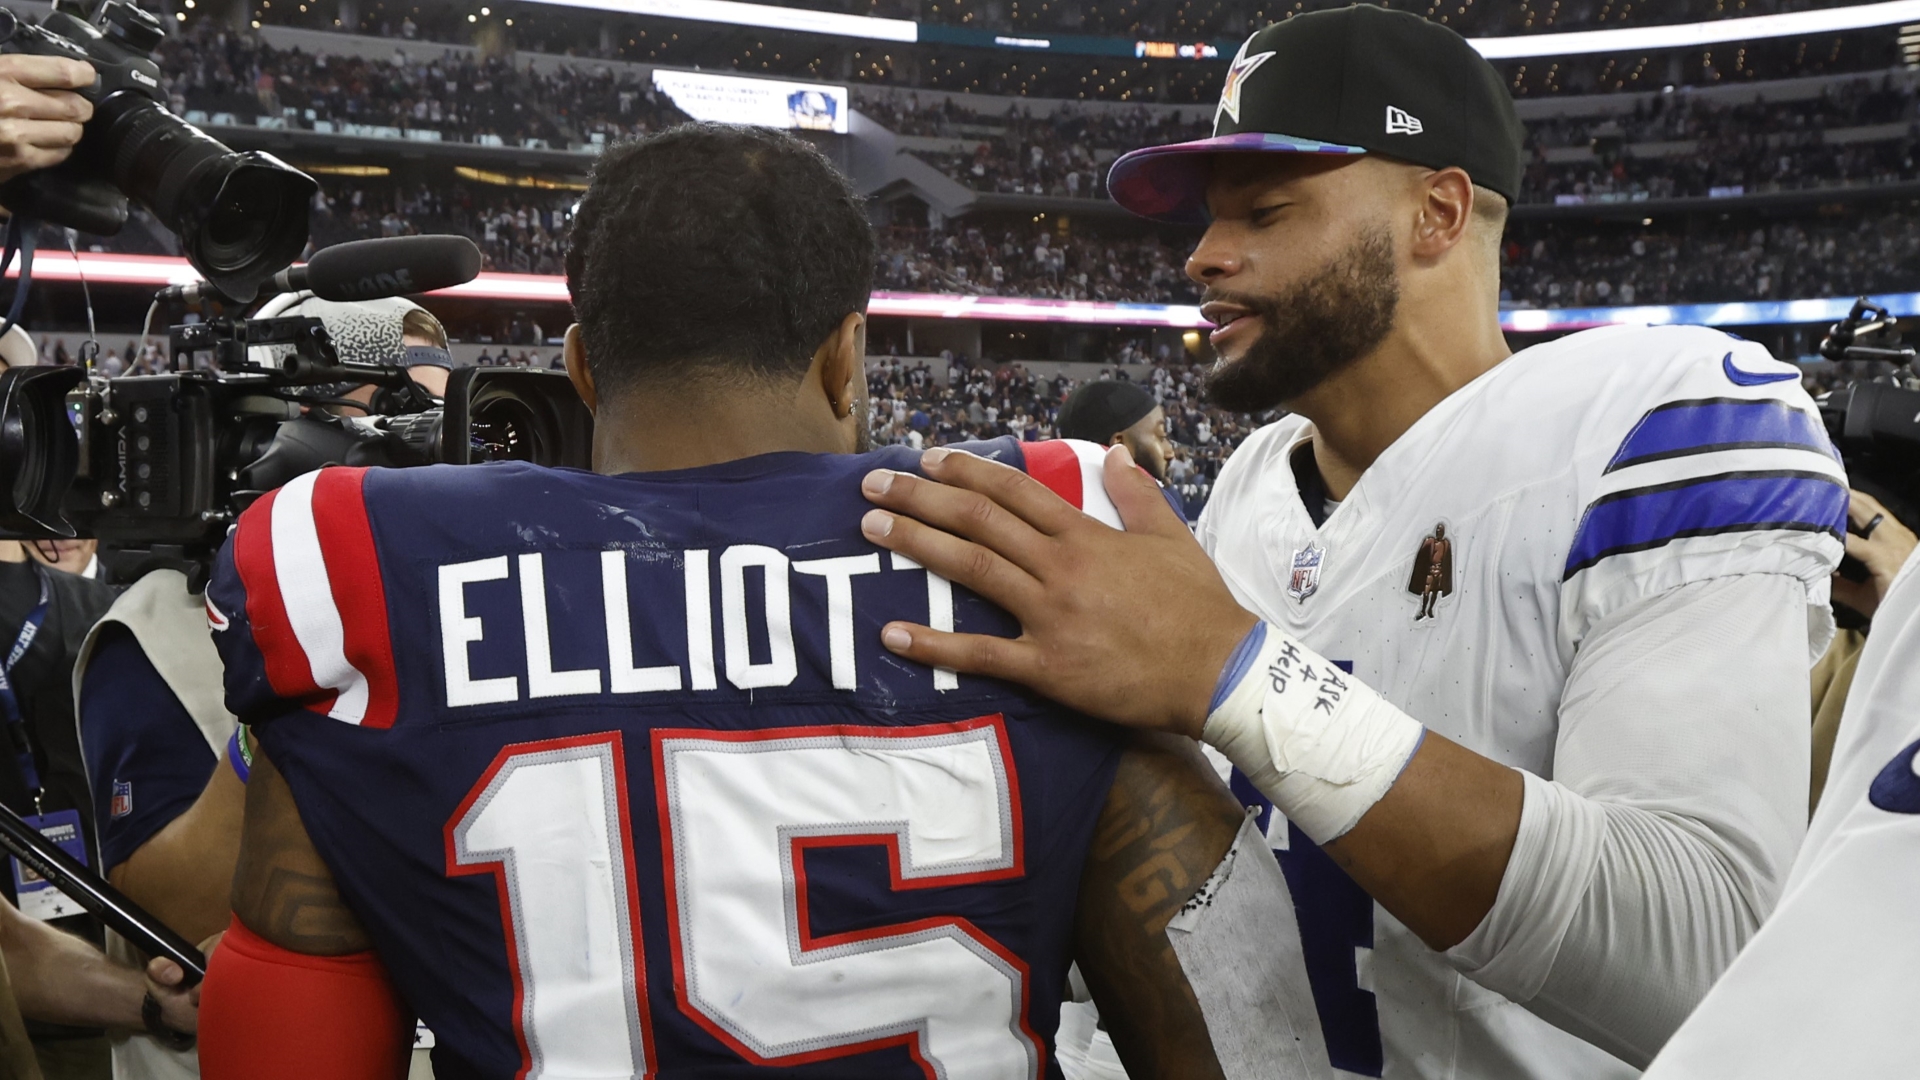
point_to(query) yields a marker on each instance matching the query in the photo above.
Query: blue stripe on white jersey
(1642, 518)
(1710, 466)
(1680, 428)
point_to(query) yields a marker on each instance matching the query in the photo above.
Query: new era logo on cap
(1402, 122)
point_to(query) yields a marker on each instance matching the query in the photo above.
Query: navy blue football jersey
(618, 777)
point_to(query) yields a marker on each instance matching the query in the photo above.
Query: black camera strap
(22, 237)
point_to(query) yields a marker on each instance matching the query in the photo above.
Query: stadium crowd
(1060, 153)
(1544, 264)
(1792, 259)
(1735, 148)
(1730, 164)
(517, 234)
(213, 69)
(1677, 115)
(914, 406)
(1034, 262)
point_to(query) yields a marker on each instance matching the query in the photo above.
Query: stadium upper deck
(1153, 50)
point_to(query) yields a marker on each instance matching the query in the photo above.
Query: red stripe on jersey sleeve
(1057, 466)
(287, 667)
(353, 569)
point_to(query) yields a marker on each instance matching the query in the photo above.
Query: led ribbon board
(155, 271)
(1515, 47)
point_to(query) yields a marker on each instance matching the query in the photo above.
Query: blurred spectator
(1111, 412)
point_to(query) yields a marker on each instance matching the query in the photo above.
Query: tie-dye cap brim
(1169, 183)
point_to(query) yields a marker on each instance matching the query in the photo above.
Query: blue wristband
(1237, 665)
(237, 754)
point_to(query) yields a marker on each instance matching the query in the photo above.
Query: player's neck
(1364, 408)
(693, 429)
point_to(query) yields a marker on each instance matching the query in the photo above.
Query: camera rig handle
(1866, 320)
(312, 362)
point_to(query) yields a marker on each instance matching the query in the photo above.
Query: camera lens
(240, 216)
(507, 427)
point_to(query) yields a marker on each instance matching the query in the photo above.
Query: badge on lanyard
(38, 898)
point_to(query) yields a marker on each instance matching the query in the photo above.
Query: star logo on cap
(1243, 66)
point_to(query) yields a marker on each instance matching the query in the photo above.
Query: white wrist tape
(1318, 742)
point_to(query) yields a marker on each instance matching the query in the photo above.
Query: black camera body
(239, 216)
(159, 466)
(1875, 424)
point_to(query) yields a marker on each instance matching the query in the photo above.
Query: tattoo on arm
(1167, 824)
(281, 888)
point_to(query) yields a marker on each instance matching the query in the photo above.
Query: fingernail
(876, 524)
(877, 482)
(896, 639)
(934, 456)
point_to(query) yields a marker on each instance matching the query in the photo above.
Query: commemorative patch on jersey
(1432, 571)
(1304, 578)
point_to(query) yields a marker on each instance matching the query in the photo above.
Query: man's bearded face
(1312, 329)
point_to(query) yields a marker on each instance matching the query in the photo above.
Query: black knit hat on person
(1355, 80)
(1098, 411)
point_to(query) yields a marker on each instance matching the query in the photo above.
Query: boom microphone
(389, 266)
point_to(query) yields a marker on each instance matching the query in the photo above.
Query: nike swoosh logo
(1753, 378)
(1897, 789)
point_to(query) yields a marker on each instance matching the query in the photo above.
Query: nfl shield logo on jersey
(1305, 579)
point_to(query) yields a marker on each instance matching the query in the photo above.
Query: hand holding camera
(40, 112)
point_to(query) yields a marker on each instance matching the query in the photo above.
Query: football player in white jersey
(1517, 642)
(1827, 987)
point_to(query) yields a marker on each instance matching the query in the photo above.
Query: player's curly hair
(709, 250)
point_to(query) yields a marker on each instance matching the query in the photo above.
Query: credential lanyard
(10, 701)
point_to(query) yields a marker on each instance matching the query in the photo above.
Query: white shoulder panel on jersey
(1073, 469)
(1699, 456)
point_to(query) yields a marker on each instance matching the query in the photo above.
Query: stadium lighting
(1514, 47)
(734, 13)
(1688, 35)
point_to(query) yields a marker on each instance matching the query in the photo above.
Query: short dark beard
(1313, 330)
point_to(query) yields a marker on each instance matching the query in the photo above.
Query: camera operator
(391, 330)
(52, 976)
(44, 617)
(167, 760)
(40, 115)
(1880, 544)
(79, 556)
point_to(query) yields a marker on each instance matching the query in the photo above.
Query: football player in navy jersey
(607, 774)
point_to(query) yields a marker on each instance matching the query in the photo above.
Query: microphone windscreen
(392, 266)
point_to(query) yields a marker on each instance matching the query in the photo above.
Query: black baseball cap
(1354, 80)
(1097, 411)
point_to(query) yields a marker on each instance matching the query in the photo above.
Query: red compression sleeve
(266, 1011)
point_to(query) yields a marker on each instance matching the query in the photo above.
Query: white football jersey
(1828, 986)
(1461, 574)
